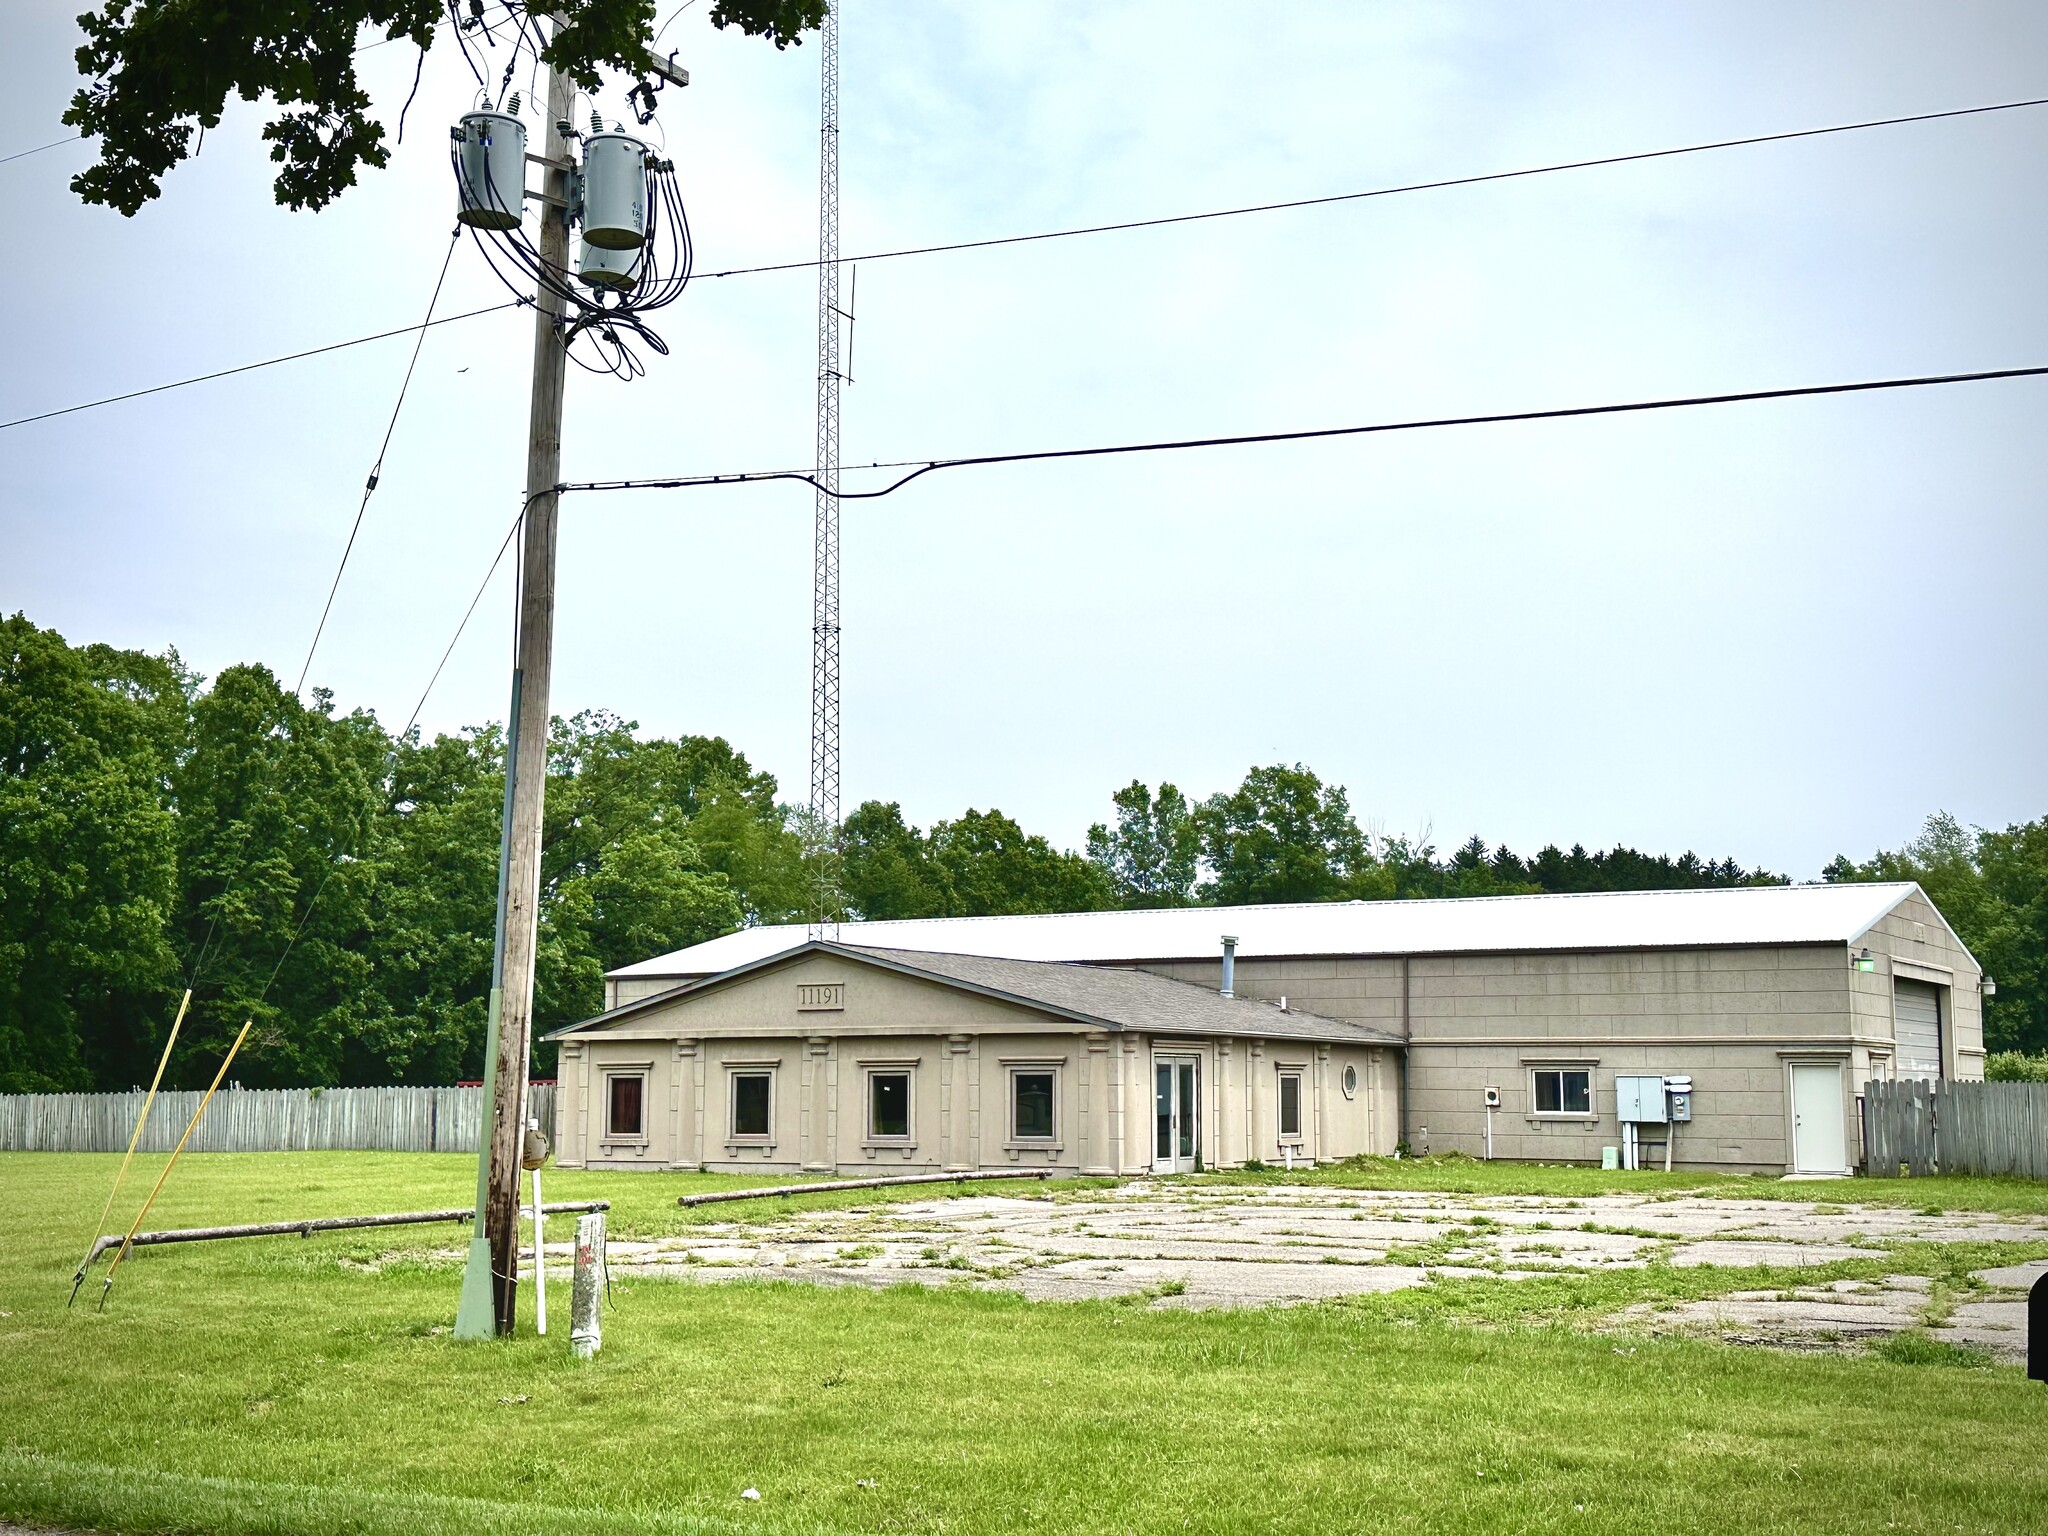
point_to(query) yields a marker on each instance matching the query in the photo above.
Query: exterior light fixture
(1863, 961)
(1988, 987)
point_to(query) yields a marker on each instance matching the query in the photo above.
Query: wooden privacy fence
(1946, 1127)
(260, 1120)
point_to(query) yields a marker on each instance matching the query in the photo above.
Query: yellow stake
(141, 1120)
(139, 1215)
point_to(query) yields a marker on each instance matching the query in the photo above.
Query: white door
(1819, 1138)
(1177, 1113)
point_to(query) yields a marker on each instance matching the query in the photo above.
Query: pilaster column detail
(958, 1135)
(1097, 1154)
(815, 1138)
(1264, 1145)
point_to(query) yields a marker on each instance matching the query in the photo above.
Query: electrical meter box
(1639, 1098)
(1678, 1093)
(1493, 1098)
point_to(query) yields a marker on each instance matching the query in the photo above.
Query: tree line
(336, 883)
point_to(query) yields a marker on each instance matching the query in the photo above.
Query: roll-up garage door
(1917, 1008)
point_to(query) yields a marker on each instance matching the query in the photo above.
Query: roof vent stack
(1230, 965)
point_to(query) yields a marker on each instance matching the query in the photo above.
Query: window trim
(1299, 1134)
(1533, 1069)
(908, 1072)
(609, 1071)
(734, 1071)
(1018, 1069)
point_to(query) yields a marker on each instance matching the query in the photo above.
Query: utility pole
(826, 900)
(508, 1050)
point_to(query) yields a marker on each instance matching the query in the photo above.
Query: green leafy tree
(160, 72)
(1992, 886)
(886, 866)
(88, 859)
(1153, 856)
(278, 805)
(1282, 835)
(993, 867)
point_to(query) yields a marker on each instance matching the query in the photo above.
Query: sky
(1772, 631)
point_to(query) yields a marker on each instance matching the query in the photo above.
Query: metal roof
(1746, 915)
(1107, 998)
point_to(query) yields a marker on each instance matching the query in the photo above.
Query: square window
(625, 1101)
(1563, 1091)
(750, 1104)
(1290, 1104)
(1031, 1107)
(889, 1106)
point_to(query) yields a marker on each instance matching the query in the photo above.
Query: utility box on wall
(1639, 1097)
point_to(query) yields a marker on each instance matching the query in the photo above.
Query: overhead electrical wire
(377, 468)
(928, 466)
(1061, 234)
(1394, 191)
(268, 362)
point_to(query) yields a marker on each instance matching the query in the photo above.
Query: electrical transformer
(602, 268)
(490, 162)
(614, 191)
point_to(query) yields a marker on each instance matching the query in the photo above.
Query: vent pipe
(1230, 965)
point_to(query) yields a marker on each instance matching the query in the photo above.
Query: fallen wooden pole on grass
(318, 1224)
(827, 1186)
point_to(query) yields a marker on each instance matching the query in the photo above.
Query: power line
(928, 466)
(1413, 186)
(269, 362)
(23, 154)
(376, 469)
(1061, 234)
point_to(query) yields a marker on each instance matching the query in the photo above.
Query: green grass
(309, 1386)
(1457, 1174)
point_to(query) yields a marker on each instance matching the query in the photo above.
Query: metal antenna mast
(826, 900)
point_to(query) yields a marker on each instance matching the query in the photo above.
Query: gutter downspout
(1407, 1041)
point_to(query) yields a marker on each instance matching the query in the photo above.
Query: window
(625, 1100)
(750, 1104)
(1290, 1106)
(1562, 1090)
(889, 1106)
(1031, 1106)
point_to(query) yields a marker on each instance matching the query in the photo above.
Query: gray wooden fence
(260, 1120)
(1928, 1127)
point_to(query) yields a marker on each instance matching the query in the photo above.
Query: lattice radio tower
(826, 901)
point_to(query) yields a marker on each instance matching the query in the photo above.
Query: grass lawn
(310, 1386)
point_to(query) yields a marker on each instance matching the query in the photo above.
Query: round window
(1350, 1081)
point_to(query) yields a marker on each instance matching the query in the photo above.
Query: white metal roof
(1773, 914)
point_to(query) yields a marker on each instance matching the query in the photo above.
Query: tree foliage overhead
(160, 73)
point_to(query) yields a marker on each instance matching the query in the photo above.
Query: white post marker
(585, 1331)
(540, 1273)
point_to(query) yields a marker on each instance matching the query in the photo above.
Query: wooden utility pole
(535, 660)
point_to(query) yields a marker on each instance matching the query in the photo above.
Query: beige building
(835, 1058)
(1729, 1029)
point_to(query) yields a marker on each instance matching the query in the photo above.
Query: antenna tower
(826, 901)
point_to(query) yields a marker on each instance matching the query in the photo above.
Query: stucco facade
(821, 1027)
(1546, 1001)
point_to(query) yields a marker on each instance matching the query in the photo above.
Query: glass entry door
(1176, 1113)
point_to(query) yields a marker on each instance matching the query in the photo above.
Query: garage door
(1917, 1008)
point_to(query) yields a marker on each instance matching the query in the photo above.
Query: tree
(1282, 835)
(278, 805)
(1993, 889)
(160, 73)
(886, 866)
(1154, 855)
(88, 859)
(993, 867)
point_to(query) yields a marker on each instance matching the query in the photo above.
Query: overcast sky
(1776, 631)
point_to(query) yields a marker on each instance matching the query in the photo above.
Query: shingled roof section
(1110, 997)
(1129, 999)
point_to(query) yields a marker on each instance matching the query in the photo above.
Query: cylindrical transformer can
(602, 268)
(490, 164)
(614, 191)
